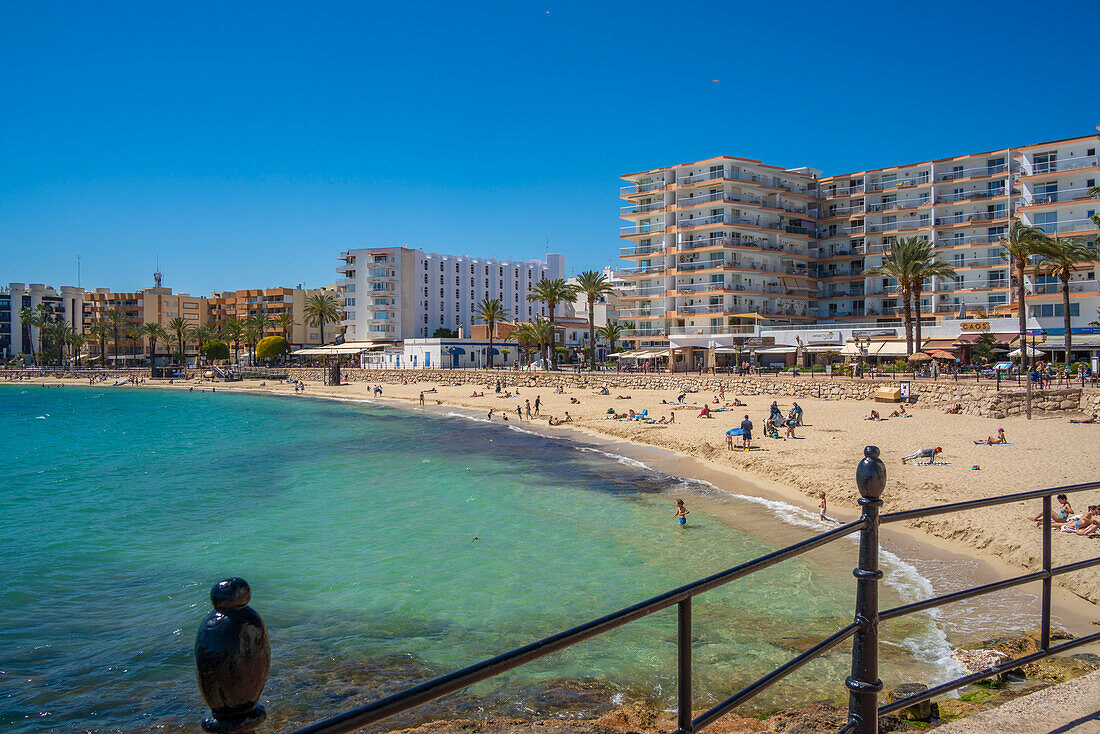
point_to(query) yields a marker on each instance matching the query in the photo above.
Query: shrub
(271, 346)
(215, 349)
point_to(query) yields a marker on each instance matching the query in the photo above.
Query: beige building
(275, 302)
(151, 305)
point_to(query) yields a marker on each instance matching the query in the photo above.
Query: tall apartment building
(151, 305)
(396, 293)
(244, 304)
(722, 243)
(65, 303)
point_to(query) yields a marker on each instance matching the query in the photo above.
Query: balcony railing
(1076, 286)
(645, 269)
(703, 265)
(971, 195)
(971, 217)
(1067, 227)
(1058, 166)
(642, 188)
(643, 208)
(973, 172)
(641, 229)
(640, 250)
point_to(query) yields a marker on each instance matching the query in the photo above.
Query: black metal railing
(232, 654)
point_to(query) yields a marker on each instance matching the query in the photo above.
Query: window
(425, 292)
(1047, 221)
(1045, 163)
(471, 282)
(441, 280)
(440, 292)
(425, 277)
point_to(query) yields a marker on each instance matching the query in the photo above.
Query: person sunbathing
(899, 413)
(476, 394)
(956, 410)
(671, 418)
(990, 441)
(574, 401)
(1061, 515)
(559, 390)
(929, 454)
(603, 391)
(874, 416)
(1091, 419)
(1088, 523)
(737, 403)
(715, 401)
(622, 397)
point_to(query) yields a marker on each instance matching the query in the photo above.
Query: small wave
(40, 417)
(469, 417)
(624, 460)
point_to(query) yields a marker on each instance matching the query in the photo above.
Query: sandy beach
(1044, 452)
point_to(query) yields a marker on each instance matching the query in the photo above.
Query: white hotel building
(397, 293)
(722, 246)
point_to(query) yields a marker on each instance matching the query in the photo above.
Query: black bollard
(864, 684)
(232, 658)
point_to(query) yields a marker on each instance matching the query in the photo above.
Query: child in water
(682, 512)
(821, 509)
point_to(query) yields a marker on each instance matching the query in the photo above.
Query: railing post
(232, 658)
(1044, 633)
(683, 660)
(864, 684)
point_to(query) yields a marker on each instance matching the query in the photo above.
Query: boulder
(917, 712)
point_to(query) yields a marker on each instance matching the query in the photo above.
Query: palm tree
(925, 266)
(181, 329)
(593, 285)
(552, 292)
(100, 330)
(31, 319)
(202, 335)
(285, 321)
(1023, 241)
(252, 336)
(233, 331)
(154, 332)
(612, 332)
(115, 320)
(321, 309)
(525, 336)
(898, 263)
(1059, 258)
(262, 322)
(77, 342)
(1095, 191)
(491, 310)
(543, 333)
(59, 333)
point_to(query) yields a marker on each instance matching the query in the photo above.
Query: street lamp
(862, 343)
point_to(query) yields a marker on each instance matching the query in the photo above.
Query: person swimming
(681, 512)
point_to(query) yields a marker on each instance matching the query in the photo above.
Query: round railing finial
(871, 474)
(232, 659)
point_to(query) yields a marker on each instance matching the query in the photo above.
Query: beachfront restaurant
(448, 354)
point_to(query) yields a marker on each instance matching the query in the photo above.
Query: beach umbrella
(920, 357)
(940, 354)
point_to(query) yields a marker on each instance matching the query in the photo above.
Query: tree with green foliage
(233, 331)
(982, 351)
(99, 331)
(115, 320)
(444, 333)
(925, 267)
(542, 331)
(321, 309)
(179, 326)
(898, 262)
(1059, 258)
(491, 310)
(271, 346)
(215, 349)
(1022, 242)
(593, 285)
(201, 335)
(552, 292)
(610, 333)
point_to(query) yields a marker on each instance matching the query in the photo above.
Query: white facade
(66, 303)
(442, 354)
(396, 293)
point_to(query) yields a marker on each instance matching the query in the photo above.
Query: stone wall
(975, 398)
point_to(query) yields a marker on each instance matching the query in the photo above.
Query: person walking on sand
(822, 509)
(538, 402)
(929, 454)
(746, 433)
(681, 512)
(421, 398)
(527, 406)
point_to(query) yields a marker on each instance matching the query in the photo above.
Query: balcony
(645, 270)
(641, 313)
(638, 229)
(1076, 286)
(971, 217)
(973, 172)
(640, 250)
(971, 195)
(642, 188)
(1068, 227)
(642, 208)
(644, 333)
(702, 265)
(1056, 166)
(712, 330)
(704, 287)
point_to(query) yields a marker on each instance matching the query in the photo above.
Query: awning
(777, 350)
(889, 349)
(946, 345)
(972, 338)
(336, 349)
(730, 350)
(821, 348)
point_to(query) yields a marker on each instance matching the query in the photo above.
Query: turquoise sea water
(356, 527)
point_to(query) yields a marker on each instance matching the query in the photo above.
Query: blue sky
(246, 144)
